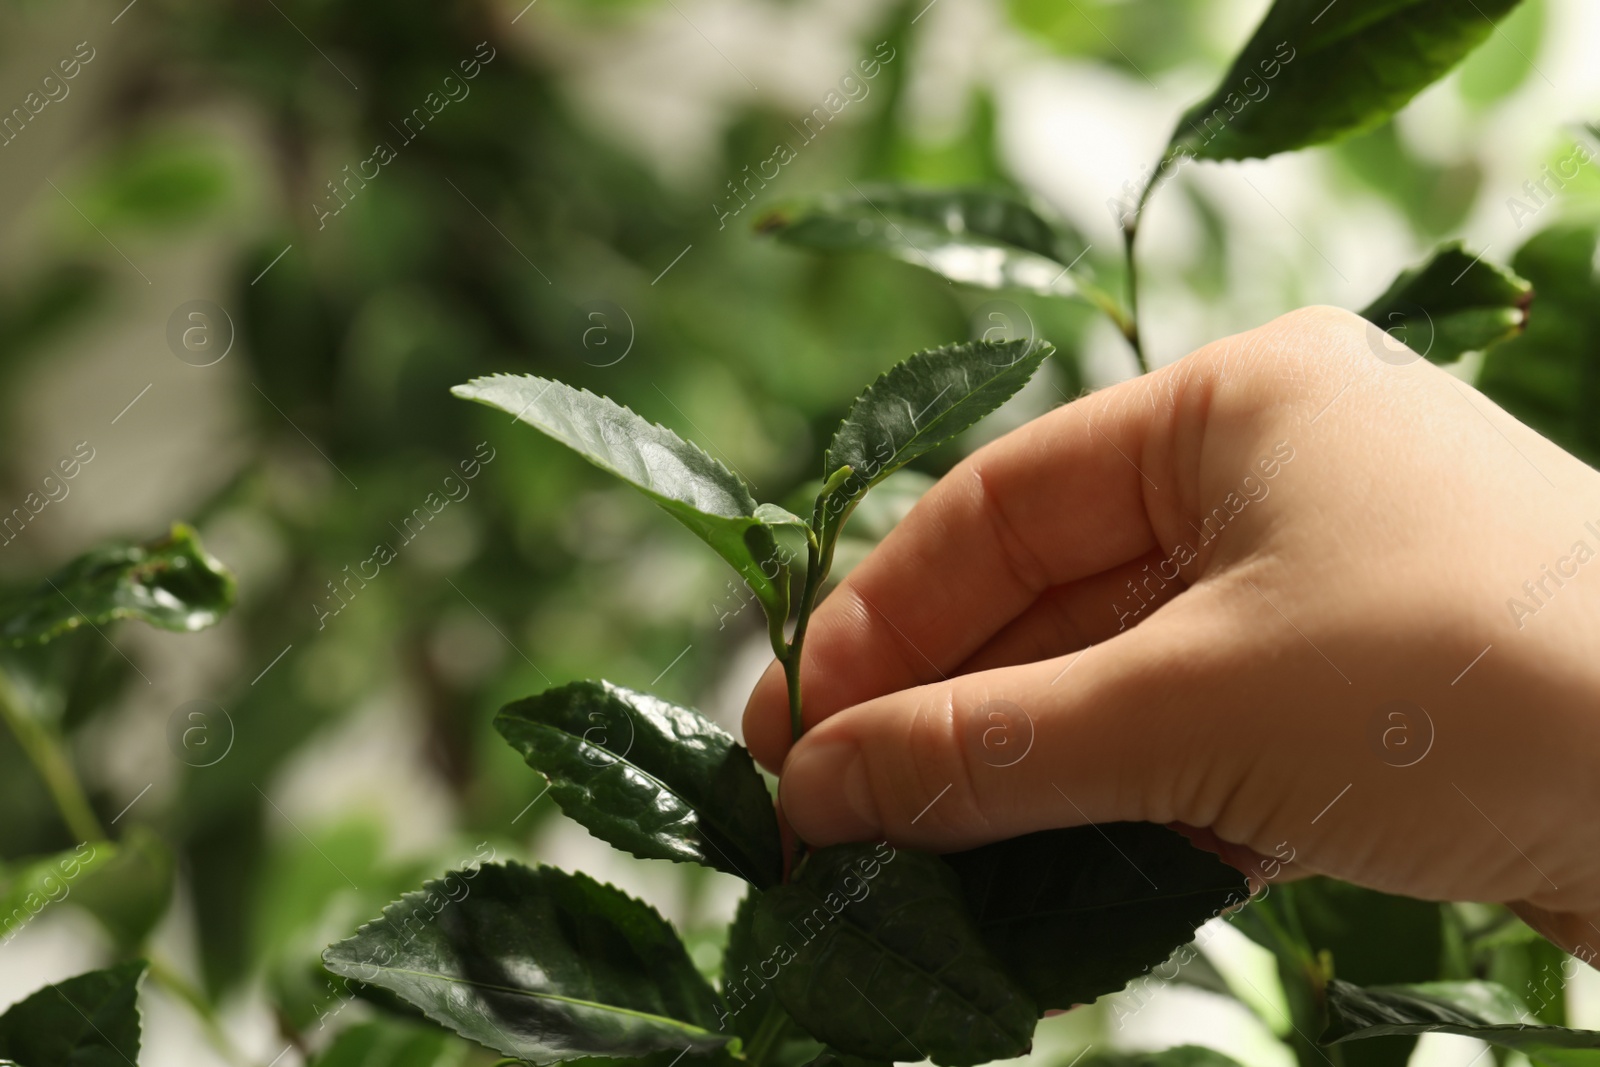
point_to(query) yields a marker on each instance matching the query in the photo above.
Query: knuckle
(939, 797)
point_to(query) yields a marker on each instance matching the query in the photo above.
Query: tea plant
(864, 953)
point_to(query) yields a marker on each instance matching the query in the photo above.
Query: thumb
(1120, 731)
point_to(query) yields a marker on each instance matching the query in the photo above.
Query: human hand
(1269, 592)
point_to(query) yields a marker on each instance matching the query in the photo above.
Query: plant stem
(1130, 329)
(817, 564)
(45, 754)
(766, 1035)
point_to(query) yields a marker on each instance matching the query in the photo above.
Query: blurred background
(216, 281)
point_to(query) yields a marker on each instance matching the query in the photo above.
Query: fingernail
(825, 793)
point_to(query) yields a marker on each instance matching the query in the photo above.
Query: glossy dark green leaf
(747, 989)
(983, 237)
(690, 485)
(91, 1020)
(1370, 938)
(876, 955)
(1483, 1010)
(1549, 377)
(171, 582)
(918, 405)
(1076, 913)
(650, 777)
(1453, 304)
(1314, 71)
(538, 964)
(389, 1044)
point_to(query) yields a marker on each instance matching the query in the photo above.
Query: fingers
(1058, 500)
(1134, 728)
(1067, 618)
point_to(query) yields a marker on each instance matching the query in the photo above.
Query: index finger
(1063, 498)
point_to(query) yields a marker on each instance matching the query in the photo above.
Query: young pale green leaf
(690, 485)
(1314, 71)
(918, 405)
(171, 582)
(1484, 1010)
(1549, 377)
(91, 1020)
(983, 237)
(1453, 304)
(874, 953)
(538, 964)
(650, 777)
(1076, 913)
(747, 989)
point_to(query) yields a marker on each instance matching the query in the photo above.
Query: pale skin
(1247, 698)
